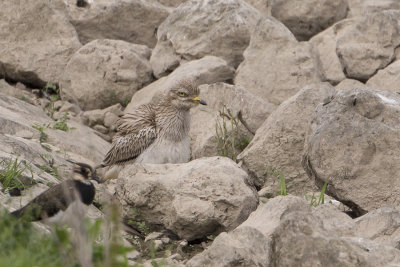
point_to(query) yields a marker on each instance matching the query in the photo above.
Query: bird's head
(185, 95)
(83, 172)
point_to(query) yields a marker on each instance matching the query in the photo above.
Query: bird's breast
(166, 151)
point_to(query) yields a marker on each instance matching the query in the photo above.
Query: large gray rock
(267, 217)
(19, 91)
(302, 240)
(286, 231)
(199, 27)
(192, 200)
(36, 42)
(365, 47)
(133, 21)
(248, 113)
(279, 142)
(362, 7)
(171, 3)
(306, 18)
(261, 5)
(249, 244)
(276, 66)
(387, 79)
(325, 44)
(358, 47)
(349, 84)
(242, 247)
(105, 72)
(352, 143)
(381, 225)
(208, 69)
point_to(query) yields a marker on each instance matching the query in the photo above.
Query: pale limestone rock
(105, 72)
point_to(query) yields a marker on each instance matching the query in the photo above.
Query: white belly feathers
(166, 151)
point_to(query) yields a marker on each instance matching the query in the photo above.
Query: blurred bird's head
(83, 172)
(185, 95)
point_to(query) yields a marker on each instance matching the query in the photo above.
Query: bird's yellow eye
(182, 94)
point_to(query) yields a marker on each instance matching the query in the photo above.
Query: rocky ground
(305, 91)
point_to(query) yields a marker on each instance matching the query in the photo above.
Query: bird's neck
(173, 123)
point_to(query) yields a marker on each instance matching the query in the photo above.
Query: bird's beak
(198, 100)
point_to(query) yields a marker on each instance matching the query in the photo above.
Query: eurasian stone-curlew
(156, 132)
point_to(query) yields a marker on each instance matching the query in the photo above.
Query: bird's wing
(135, 132)
(49, 202)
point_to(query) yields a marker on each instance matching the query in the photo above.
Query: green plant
(84, 244)
(25, 99)
(321, 199)
(22, 245)
(61, 123)
(125, 102)
(229, 140)
(112, 97)
(10, 176)
(52, 91)
(279, 174)
(41, 128)
(52, 170)
(161, 262)
(136, 220)
(114, 251)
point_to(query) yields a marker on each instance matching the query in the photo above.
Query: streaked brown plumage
(156, 132)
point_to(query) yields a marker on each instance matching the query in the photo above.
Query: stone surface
(35, 43)
(325, 44)
(279, 142)
(79, 143)
(358, 47)
(241, 247)
(14, 91)
(387, 79)
(202, 27)
(105, 72)
(362, 7)
(366, 47)
(381, 225)
(349, 84)
(276, 66)
(171, 3)
(209, 69)
(352, 144)
(306, 18)
(134, 21)
(301, 240)
(286, 231)
(267, 218)
(261, 5)
(192, 200)
(222, 97)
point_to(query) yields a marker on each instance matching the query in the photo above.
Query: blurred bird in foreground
(56, 200)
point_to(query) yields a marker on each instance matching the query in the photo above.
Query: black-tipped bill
(198, 100)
